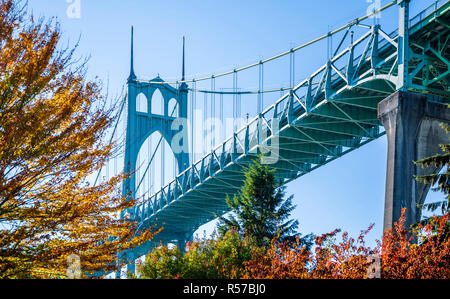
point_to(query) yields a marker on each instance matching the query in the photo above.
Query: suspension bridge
(372, 83)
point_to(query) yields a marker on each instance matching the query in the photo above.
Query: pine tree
(260, 210)
(439, 180)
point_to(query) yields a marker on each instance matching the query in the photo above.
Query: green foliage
(440, 181)
(260, 215)
(162, 263)
(215, 258)
(260, 210)
(223, 257)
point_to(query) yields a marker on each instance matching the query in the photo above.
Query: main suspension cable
(240, 69)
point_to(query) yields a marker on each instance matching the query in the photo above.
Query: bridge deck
(328, 115)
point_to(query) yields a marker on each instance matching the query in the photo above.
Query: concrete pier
(412, 124)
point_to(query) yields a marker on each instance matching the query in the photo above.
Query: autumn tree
(260, 210)
(52, 126)
(396, 257)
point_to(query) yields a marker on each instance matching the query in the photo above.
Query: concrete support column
(412, 127)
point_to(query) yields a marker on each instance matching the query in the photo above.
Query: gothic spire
(183, 86)
(183, 69)
(132, 76)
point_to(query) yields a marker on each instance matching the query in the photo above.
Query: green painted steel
(327, 115)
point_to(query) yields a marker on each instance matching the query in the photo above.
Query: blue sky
(222, 34)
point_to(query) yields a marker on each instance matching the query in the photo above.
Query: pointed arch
(141, 103)
(157, 103)
(156, 165)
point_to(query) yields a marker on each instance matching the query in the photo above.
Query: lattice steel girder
(183, 214)
(202, 207)
(310, 148)
(243, 160)
(320, 137)
(212, 190)
(338, 127)
(218, 184)
(366, 102)
(441, 65)
(289, 166)
(378, 87)
(431, 57)
(199, 205)
(347, 113)
(186, 222)
(231, 171)
(301, 163)
(169, 226)
(295, 157)
(229, 176)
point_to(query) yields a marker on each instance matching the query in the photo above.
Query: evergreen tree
(260, 210)
(439, 180)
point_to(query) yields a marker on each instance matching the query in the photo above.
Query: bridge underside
(330, 114)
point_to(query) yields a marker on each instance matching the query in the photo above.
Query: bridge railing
(426, 12)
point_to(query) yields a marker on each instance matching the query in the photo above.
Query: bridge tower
(412, 122)
(140, 125)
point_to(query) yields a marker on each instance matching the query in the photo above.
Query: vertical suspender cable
(237, 101)
(174, 166)
(205, 116)
(239, 104)
(150, 174)
(213, 111)
(163, 159)
(329, 44)
(194, 107)
(151, 169)
(292, 70)
(221, 116)
(260, 88)
(192, 124)
(163, 148)
(234, 101)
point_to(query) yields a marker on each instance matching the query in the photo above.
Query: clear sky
(221, 34)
